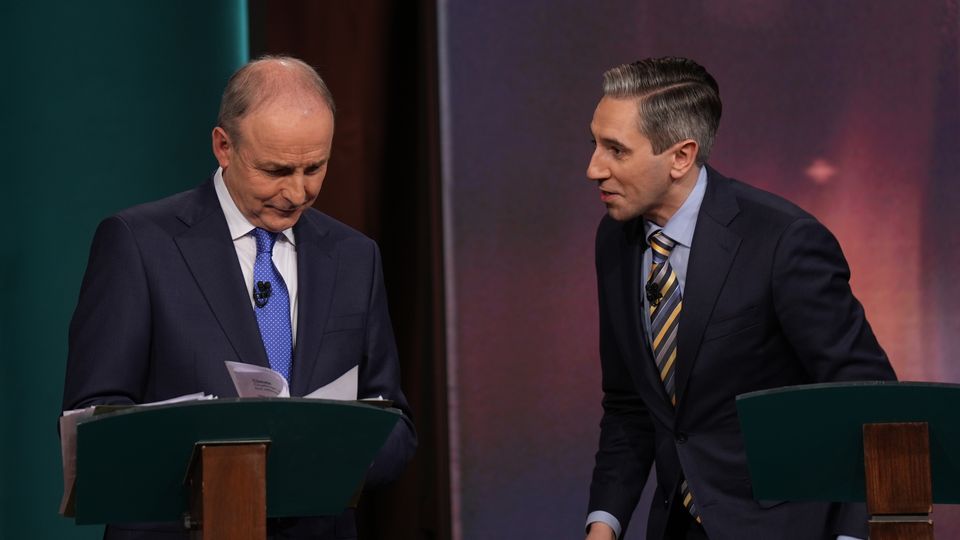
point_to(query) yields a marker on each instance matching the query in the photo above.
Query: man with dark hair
(708, 288)
(169, 293)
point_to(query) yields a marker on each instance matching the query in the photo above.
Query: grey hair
(260, 81)
(677, 99)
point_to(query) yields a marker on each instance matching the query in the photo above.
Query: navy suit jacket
(767, 303)
(163, 304)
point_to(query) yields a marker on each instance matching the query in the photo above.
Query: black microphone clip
(261, 293)
(653, 294)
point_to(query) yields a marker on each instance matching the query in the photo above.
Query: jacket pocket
(731, 324)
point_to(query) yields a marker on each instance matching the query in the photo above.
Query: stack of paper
(259, 381)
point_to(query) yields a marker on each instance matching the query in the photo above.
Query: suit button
(666, 502)
(681, 437)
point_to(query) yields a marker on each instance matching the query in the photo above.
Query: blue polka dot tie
(272, 305)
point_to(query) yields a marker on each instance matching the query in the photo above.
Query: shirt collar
(681, 225)
(236, 222)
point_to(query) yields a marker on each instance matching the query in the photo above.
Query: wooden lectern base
(899, 530)
(227, 484)
(899, 496)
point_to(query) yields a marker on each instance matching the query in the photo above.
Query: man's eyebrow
(274, 166)
(607, 141)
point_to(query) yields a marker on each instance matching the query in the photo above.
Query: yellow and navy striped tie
(666, 301)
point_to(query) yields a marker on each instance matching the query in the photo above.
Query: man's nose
(295, 190)
(596, 170)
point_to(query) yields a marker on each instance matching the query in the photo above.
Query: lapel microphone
(261, 293)
(653, 294)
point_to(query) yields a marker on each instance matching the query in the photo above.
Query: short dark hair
(258, 81)
(676, 99)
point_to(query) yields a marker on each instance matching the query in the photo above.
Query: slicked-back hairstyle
(676, 98)
(263, 79)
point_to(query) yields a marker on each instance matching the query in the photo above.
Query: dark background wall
(104, 106)
(848, 108)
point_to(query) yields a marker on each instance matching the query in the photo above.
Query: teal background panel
(104, 105)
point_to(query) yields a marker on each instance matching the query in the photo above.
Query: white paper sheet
(343, 388)
(257, 381)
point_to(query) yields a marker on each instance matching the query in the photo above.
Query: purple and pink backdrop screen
(849, 109)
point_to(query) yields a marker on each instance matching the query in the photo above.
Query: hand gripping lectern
(223, 466)
(895, 446)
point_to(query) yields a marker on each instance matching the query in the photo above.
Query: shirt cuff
(845, 537)
(614, 523)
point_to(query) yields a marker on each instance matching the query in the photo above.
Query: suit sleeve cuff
(605, 518)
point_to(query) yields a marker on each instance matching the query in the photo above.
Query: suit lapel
(316, 274)
(712, 253)
(205, 245)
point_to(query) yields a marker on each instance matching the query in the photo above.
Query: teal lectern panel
(805, 443)
(131, 464)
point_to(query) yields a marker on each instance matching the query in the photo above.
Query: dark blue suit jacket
(163, 304)
(767, 303)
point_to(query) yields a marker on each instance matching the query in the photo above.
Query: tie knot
(265, 240)
(661, 245)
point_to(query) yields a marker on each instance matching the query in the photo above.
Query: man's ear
(222, 147)
(684, 155)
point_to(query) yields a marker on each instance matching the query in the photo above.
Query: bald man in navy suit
(168, 294)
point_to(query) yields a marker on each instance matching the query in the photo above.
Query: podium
(895, 446)
(221, 467)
